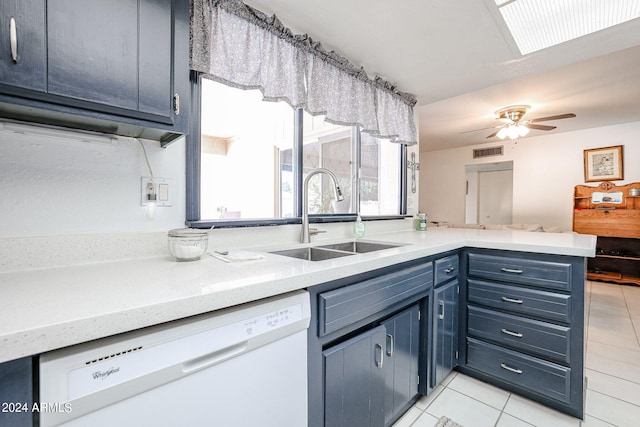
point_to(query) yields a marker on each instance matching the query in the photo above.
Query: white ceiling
(459, 60)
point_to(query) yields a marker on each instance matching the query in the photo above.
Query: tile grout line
(626, 304)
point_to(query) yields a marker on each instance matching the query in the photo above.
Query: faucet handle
(314, 231)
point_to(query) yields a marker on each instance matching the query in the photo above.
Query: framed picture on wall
(603, 164)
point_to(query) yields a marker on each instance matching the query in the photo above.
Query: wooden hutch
(613, 214)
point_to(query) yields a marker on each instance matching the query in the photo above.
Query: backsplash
(56, 186)
(27, 253)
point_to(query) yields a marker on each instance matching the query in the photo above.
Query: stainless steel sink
(336, 250)
(359, 247)
(312, 253)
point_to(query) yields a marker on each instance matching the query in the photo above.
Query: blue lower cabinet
(402, 346)
(16, 393)
(372, 378)
(445, 331)
(524, 324)
(355, 381)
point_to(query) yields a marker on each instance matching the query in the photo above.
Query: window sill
(313, 219)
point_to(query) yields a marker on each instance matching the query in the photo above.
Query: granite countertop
(51, 308)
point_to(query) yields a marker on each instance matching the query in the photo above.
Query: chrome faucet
(305, 235)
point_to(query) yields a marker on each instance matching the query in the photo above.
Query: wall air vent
(486, 152)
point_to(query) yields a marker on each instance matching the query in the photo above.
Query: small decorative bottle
(421, 221)
(358, 227)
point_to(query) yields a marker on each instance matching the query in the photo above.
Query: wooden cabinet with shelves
(612, 213)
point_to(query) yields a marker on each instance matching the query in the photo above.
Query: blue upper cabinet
(115, 65)
(23, 44)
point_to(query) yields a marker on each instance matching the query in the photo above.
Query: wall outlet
(163, 191)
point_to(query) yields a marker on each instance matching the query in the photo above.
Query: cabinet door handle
(441, 314)
(14, 39)
(176, 104)
(510, 369)
(450, 270)
(380, 360)
(511, 270)
(389, 345)
(513, 334)
(515, 301)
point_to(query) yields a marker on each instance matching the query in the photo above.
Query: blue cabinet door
(93, 51)
(16, 393)
(445, 331)
(355, 381)
(112, 52)
(401, 361)
(23, 65)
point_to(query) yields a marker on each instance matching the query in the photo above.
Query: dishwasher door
(242, 367)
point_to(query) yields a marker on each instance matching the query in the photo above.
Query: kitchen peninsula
(51, 308)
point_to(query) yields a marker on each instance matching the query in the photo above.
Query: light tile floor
(612, 371)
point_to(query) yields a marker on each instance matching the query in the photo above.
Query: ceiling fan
(513, 126)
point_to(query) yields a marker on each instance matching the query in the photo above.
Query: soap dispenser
(358, 227)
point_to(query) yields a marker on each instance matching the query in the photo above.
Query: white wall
(545, 171)
(52, 186)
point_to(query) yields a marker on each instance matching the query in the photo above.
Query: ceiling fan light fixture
(523, 130)
(513, 131)
(502, 133)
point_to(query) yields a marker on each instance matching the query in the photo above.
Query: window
(252, 165)
(328, 146)
(246, 155)
(380, 179)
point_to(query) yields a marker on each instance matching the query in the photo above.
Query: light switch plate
(163, 190)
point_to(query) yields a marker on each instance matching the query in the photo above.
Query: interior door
(495, 197)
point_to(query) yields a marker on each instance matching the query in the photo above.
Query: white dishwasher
(240, 367)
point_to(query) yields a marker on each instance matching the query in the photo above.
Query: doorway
(489, 196)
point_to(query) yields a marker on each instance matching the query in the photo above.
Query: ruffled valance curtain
(242, 47)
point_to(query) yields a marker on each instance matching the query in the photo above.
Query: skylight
(537, 24)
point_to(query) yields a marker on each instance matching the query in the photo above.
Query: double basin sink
(336, 250)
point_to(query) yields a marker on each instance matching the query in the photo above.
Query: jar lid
(188, 232)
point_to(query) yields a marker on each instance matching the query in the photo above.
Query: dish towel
(446, 422)
(237, 255)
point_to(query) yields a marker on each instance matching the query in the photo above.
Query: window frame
(193, 169)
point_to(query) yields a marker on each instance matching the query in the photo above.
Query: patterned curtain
(242, 47)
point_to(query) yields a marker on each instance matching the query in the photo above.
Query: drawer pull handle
(13, 34)
(441, 304)
(510, 369)
(380, 360)
(515, 301)
(450, 270)
(389, 345)
(513, 334)
(511, 270)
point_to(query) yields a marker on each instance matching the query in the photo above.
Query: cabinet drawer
(604, 222)
(344, 306)
(446, 268)
(527, 372)
(546, 274)
(531, 336)
(538, 303)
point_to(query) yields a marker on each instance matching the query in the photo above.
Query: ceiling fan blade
(540, 127)
(476, 130)
(493, 134)
(558, 117)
